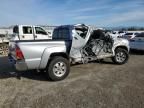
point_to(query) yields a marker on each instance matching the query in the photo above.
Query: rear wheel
(58, 68)
(121, 56)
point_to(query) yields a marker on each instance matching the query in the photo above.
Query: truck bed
(36, 52)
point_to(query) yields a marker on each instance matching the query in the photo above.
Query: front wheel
(121, 56)
(58, 69)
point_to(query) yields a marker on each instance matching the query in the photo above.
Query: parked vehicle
(121, 33)
(130, 35)
(137, 42)
(113, 35)
(3, 45)
(118, 34)
(29, 32)
(70, 44)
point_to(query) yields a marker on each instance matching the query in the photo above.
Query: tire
(121, 56)
(58, 69)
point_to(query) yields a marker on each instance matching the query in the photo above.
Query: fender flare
(47, 53)
(119, 46)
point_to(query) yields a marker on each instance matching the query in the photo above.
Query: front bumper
(20, 65)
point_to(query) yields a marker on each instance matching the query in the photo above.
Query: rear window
(81, 30)
(27, 30)
(15, 29)
(129, 34)
(61, 33)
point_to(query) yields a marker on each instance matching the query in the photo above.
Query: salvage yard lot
(93, 85)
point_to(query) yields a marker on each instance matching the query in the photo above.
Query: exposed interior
(99, 43)
(81, 30)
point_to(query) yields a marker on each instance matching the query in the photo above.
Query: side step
(101, 56)
(90, 58)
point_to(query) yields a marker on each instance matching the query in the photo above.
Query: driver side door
(78, 43)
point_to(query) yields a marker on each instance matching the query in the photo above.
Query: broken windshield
(81, 30)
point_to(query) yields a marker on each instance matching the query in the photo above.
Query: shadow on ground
(8, 71)
(136, 52)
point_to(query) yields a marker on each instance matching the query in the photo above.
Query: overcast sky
(57, 12)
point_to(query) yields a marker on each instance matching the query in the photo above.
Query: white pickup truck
(29, 32)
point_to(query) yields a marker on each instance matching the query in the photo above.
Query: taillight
(19, 54)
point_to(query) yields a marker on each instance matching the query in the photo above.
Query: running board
(104, 56)
(90, 58)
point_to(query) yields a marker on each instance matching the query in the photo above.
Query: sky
(102, 13)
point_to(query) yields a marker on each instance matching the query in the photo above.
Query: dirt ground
(93, 85)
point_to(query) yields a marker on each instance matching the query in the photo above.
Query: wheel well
(123, 47)
(59, 54)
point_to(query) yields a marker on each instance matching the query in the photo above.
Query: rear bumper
(20, 65)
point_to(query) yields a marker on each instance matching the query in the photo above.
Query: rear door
(40, 33)
(80, 37)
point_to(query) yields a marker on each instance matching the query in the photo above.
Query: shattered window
(97, 34)
(81, 31)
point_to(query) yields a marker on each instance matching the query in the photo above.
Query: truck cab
(29, 32)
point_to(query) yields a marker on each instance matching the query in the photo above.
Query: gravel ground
(93, 85)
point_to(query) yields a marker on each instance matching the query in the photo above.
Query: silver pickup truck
(70, 44)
